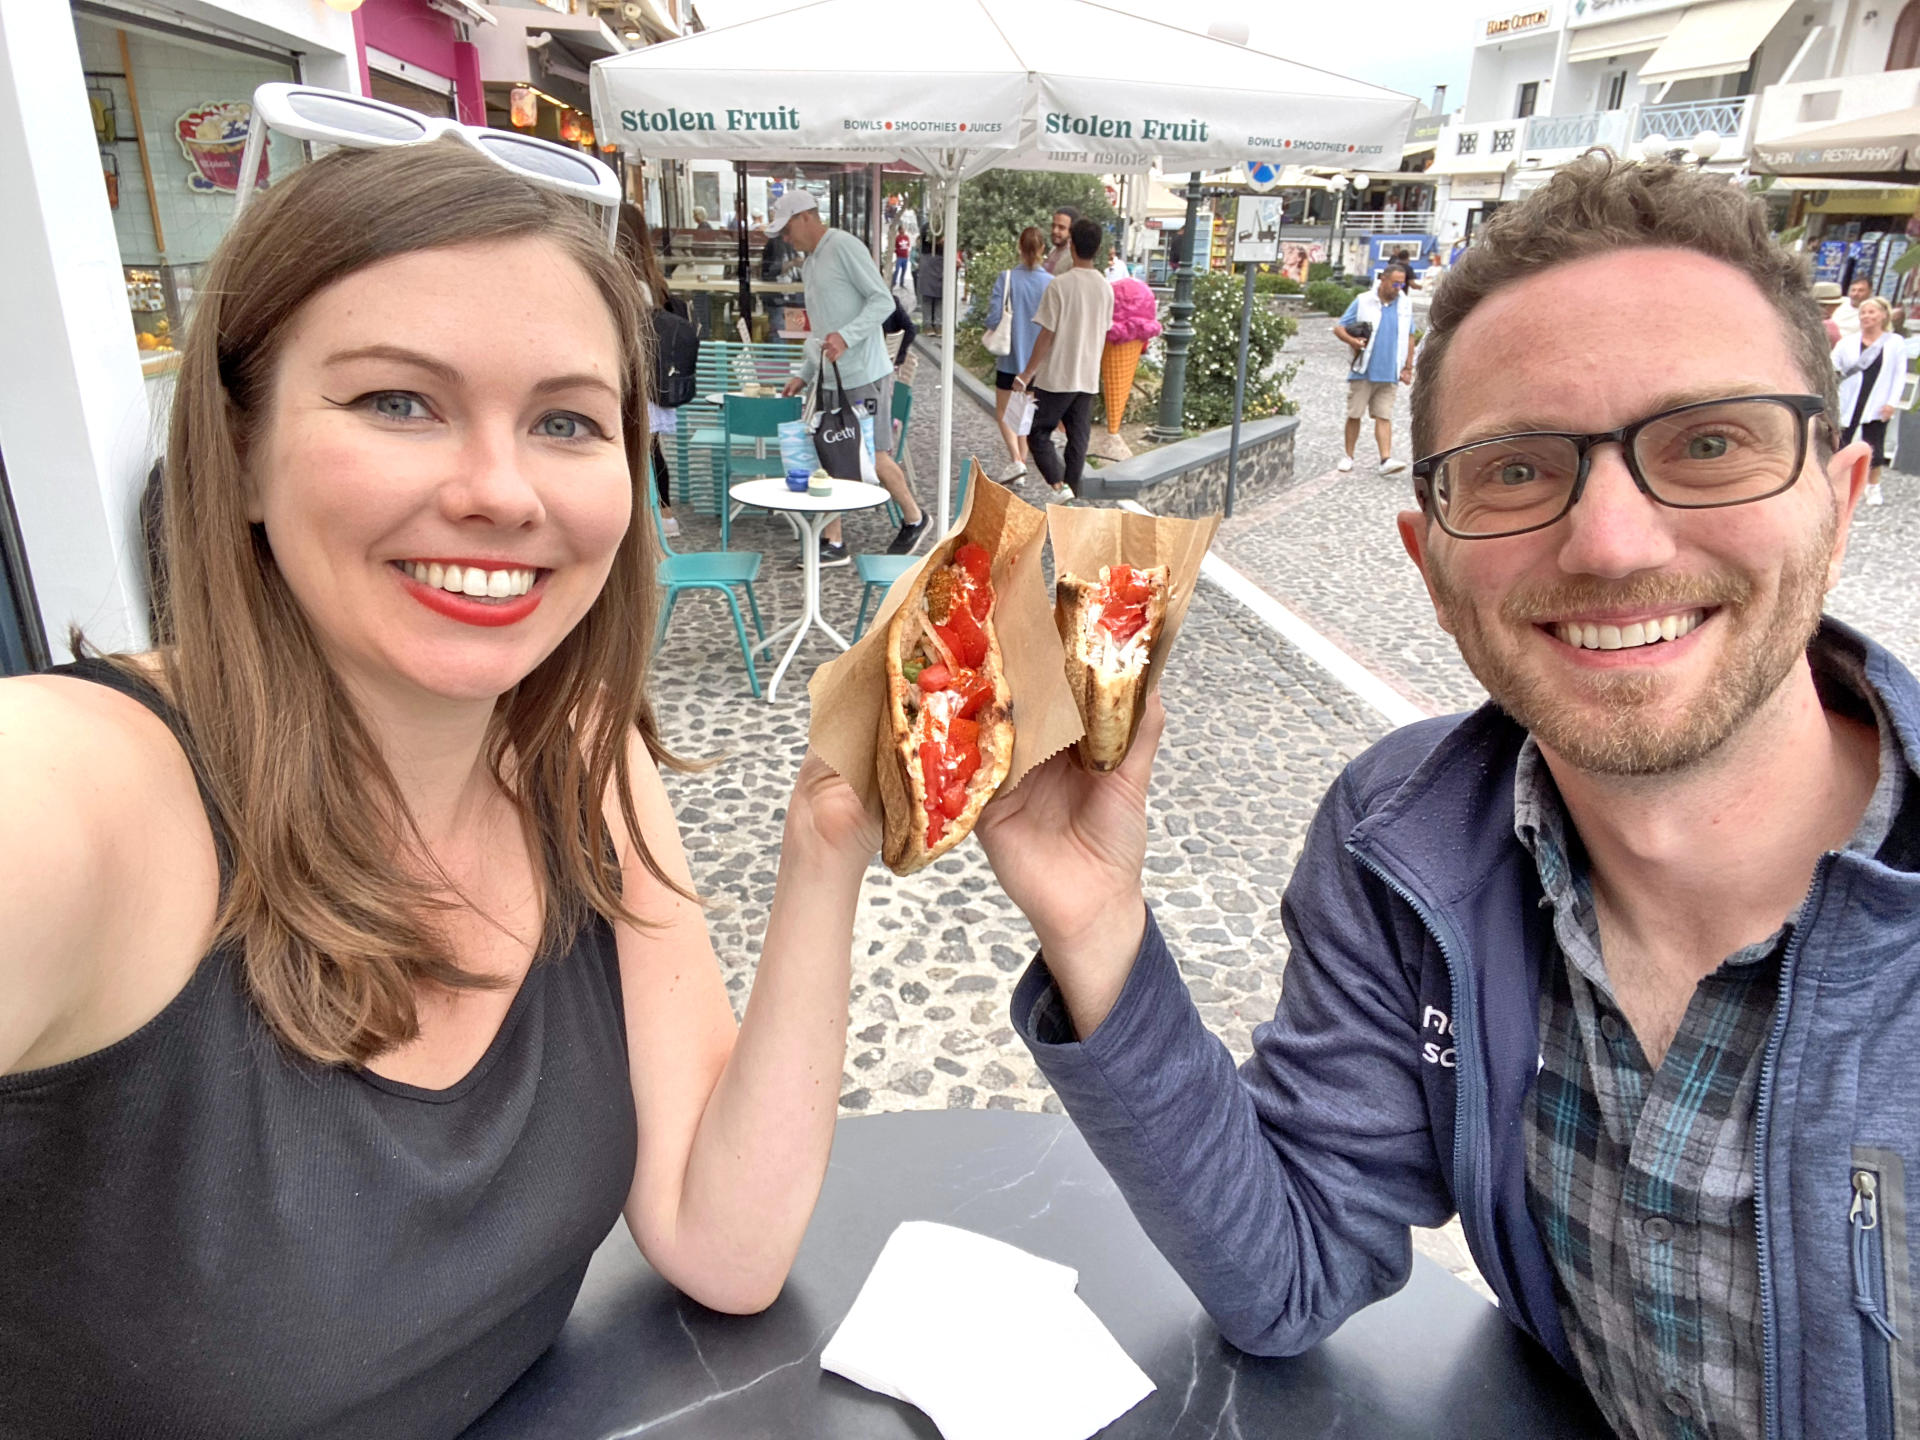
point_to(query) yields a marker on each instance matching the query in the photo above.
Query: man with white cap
(847, 301)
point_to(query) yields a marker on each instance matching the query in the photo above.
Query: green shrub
(1272, 282)
(1214, 356)
(1330, 297)
(1319, 270)
(983, 269)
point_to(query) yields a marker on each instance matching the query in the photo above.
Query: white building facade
(1549, 82)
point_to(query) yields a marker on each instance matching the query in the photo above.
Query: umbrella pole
(949, 268)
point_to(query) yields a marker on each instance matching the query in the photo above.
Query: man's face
(804, 230)
(1858, 291)
(1390, 282)
(1600, 353)
(1062, 229)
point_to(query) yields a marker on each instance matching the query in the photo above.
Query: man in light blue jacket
(1624, 967)
(847, 302)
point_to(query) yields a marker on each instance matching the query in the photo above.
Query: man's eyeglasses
(1701, 456)
(355, 122)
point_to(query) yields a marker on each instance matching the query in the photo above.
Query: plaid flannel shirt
(1641, 1180)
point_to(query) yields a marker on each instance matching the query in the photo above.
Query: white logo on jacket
(1433, 1052)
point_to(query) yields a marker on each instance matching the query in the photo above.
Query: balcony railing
(1726, 118)
(1383, 222)
(1563, 132)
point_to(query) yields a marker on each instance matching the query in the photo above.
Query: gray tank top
(204, 1235)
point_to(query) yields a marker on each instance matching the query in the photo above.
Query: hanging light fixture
(345, 7)
(523, 106)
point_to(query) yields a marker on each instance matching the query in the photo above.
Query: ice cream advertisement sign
(212, 136)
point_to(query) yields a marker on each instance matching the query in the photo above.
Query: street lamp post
(1343, 185)
(1173, 380)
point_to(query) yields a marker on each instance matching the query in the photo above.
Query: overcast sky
(1410, 47)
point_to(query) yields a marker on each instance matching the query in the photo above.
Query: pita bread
(1109, 681)
(907, 713)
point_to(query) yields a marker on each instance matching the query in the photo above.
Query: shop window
(1529, 98)
(396, 90)
(170, 113)
(1904, 52)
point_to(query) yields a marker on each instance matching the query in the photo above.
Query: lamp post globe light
(1706, 145)
(1653, 147)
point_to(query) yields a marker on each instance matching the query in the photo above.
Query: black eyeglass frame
(1806, 407)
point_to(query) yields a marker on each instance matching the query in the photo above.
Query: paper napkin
(990, 1341)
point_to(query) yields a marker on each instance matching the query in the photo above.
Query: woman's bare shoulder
(101, 833)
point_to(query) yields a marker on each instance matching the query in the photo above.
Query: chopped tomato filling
(958, 602)
(1123, 603)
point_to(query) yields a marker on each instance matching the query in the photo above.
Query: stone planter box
(1189, 477)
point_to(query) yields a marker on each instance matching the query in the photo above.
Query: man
(779, 261)
(1382, 361)
(1063, 371)
(1846, 315)
(1060, 257)
(847, 302)
(1623, 967)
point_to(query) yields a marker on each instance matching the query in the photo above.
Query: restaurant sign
(1521, 22)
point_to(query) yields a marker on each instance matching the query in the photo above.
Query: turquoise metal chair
(752, 448)
(903, 417)
(709, 570)
(878, 572)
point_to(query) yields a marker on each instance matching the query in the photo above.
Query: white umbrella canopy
(1026, 84)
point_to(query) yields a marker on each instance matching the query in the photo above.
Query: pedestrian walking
(1872, 366)
(1846, 315)
(902, 253)
(930, 282)
(1060, 257)
(636, 248)
(1064, 369)
(847, 303)
(1021, 287)
(1377, 327)
(1620, 968)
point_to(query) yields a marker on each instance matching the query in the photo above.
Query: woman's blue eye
(563, 425)
(397, 405)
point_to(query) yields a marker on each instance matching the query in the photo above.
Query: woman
(1872, 366)
(354, 980)
(929, 283)
(636, 248)
(1026, 283)
(902, 252)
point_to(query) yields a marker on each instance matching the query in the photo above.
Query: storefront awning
(1485, 166)
(1880, 147)
(1716, 39)
(1620, 37)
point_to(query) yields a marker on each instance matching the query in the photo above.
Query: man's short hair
(1599, 204)
(1085, 235)
(1069, 211)
(1406, 270)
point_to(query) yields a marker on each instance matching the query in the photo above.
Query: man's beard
(1613, 727)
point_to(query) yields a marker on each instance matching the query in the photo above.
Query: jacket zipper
(1466, 1117)
(1762, 1127)
(1877, 1335)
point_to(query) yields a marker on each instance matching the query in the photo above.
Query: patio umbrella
(1883, 148)
(975, 84)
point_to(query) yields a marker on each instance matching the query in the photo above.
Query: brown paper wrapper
(850, 693)
(1084, 540)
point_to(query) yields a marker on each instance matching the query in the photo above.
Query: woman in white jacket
(1872, 366)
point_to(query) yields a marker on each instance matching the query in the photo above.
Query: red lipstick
(471, 611)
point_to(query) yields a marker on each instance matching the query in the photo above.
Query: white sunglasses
(355, 122)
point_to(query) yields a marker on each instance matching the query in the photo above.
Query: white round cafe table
(812, 512)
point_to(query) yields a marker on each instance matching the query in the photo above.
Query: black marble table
(636, 1358)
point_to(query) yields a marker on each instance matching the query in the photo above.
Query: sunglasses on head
(355, 122)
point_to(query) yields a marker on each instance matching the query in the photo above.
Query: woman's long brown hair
(636, 246)
(332, 899)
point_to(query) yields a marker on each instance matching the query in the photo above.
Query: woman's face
(442, 477)
(1872, 322)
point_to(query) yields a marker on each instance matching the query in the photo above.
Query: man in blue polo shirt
(1382, 361)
